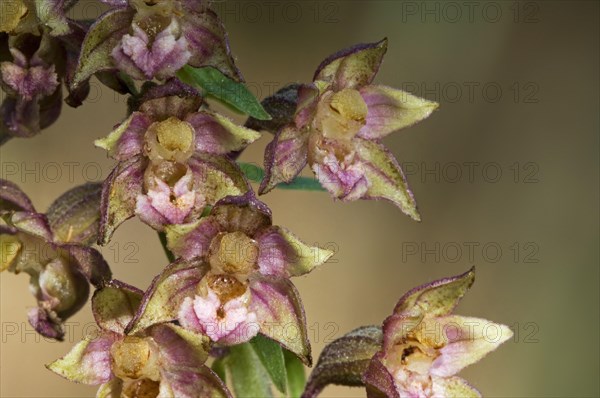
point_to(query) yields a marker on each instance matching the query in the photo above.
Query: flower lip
(143, 388)
(226, 287)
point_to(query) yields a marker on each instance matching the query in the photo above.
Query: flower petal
(285, 157)
(165, 295)
(391, 110)
(192, 240)
(280, 314)
(35, 224)
(344, 360)
(127, 139)
(353, 67)
(46, 322)
(99, 42)
(170, 99)
(182, 356)
(142, 60)
(281, 253)
(217, 177)
(379, 381)
(13, 198)
(75, 215)
(111, 389)
(208, 42)
(466, 341)
(115, 305)
(242, 213)
(219, 135)
(385, 177)
(436, 298)
(119, 194)
(51, 14)
(89, 262)
(89, 362)
(453, 387)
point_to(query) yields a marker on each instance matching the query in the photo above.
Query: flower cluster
(227, 292)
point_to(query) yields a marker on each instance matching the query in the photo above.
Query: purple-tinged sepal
(75, 215)
(344, 360)
(353, 67)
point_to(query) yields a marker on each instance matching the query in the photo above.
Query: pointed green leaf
(248, 376)
(221, 87)
(256, 174)
(271, 355)
(296, 378)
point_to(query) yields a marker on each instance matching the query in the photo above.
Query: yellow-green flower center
(350, 104)
(13, 11)
(233, 253)
(342, 114)
(131, 357)
(171, 139)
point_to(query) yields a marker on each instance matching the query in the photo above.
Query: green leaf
(256, 174)
(218, 367)
(271, 355)
(296, 378)
(221, 87)
(248, 377)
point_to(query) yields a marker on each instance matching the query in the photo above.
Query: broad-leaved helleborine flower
(150, 39)
(51, 250)
(32, 67)
(232, 279)
(419, 350)
(164, 360)
(173, 160)
(337, 129)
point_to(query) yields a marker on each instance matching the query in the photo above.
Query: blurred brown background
(505, 174)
